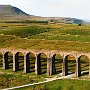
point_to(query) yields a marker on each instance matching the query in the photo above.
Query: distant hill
(8, 10)
(65, 20)
(11, 13)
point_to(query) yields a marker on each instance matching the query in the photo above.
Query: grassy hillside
(67, 37)
(12, 80)
(61, 85)
(42, 36)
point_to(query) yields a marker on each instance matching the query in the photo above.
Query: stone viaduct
(50, 61)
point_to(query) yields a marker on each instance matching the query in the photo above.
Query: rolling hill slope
(11, 13)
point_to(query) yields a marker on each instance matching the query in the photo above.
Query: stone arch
(42, 63)
(57, 61)
(83, 61)
(19, 61)
(42, 52)
(1, 59)
(7, 60)
(70, 64)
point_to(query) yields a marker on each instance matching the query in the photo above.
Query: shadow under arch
(30, 62)
(42, 63)
(19, 61)
(57, 61)
(10, 60)
(83, 61)
(1, 59)
(70, 64)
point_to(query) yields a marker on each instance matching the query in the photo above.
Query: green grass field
(42, 36)
(66, 37)
(61, 85)
(12, 80)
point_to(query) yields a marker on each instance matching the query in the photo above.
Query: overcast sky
(62, 8)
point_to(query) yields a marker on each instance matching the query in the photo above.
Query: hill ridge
(8, 10)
